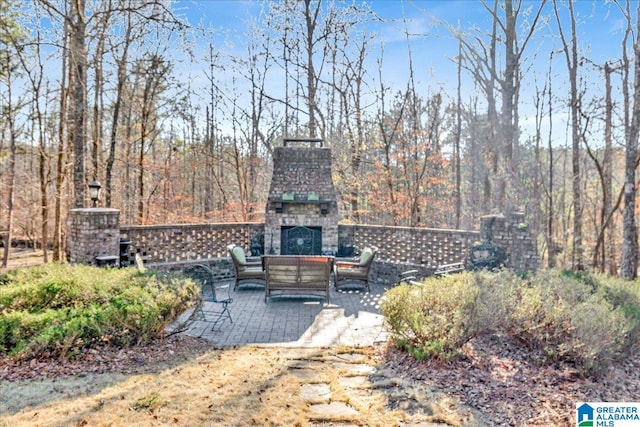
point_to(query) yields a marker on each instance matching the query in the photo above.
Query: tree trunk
(10, 117)
(629, 262)
(311, 17)
(79, 64)
(456, 149)
(551, 260)
(571, 57)
(61, 158)
(115, 121)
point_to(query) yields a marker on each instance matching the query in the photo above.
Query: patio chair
(347, 273)
(217, 294)
(247, 272)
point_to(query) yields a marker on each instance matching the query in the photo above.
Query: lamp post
(94, 192)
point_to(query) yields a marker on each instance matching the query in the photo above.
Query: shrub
(59, 309)
(433, 319)
(624, 295)
(574, 318)
(542, 318)
(588, 320)
(497, 299)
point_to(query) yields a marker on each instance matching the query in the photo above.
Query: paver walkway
(351, 318)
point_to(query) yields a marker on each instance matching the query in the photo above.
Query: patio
(351, 318)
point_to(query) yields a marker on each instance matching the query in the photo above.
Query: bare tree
(457, 157)
(78, 61)
(33, 68)
(629, 262)
(481, 58)
(570, 50)
(153, 72)
(603, 253)
(122, 63)
(9, 35)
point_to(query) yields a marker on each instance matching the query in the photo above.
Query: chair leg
(225, 309)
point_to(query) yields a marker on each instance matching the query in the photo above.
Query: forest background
(437, 112)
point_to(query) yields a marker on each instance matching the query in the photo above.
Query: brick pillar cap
(94, 210)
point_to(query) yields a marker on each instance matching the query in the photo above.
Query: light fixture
(94, 192)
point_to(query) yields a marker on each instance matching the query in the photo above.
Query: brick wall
(184, 242)
(93, 232)
(423, 246)
(399, 248)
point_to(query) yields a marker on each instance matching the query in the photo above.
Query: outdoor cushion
(366, 255)
(354, 271)
(239, 254)
(246, 271)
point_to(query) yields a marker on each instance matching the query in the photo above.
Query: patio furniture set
(281, 275)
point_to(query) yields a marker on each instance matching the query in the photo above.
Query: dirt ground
(23, 257)
(497, 384)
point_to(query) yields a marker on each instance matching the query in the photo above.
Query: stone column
(94, 232)
(513, 237)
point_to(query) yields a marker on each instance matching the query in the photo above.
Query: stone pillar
(94, 232)
(493, 229)
(514, 239)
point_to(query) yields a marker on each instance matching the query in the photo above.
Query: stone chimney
(302, 208)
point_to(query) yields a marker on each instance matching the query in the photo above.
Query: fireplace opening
(298, 240)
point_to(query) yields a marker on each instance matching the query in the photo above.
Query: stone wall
(411, 245)
(512, 235)
(183, 242)
(93, 232)
(399, 248)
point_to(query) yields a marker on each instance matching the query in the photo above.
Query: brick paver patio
(351, 318)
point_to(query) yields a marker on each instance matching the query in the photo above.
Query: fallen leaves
(502, 381)
(106, 359)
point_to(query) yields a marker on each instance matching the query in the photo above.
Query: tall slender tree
(629, 262)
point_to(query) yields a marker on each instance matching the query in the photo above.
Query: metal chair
(218, 294)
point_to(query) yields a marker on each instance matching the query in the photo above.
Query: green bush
(59, 309)
(624, 295)
(434, 319)
(585, 319)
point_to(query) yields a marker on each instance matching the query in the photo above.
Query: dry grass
(217, 388)
(236, 387)
(23, 257)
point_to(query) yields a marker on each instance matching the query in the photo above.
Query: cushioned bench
(293, 274)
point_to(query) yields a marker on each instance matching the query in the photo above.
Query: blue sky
(600, 27)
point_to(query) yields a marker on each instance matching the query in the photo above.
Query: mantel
(279, 204)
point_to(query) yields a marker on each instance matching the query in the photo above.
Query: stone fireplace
(302, 208)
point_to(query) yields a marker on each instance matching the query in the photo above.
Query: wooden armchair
(246, 271)
(354, 272)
